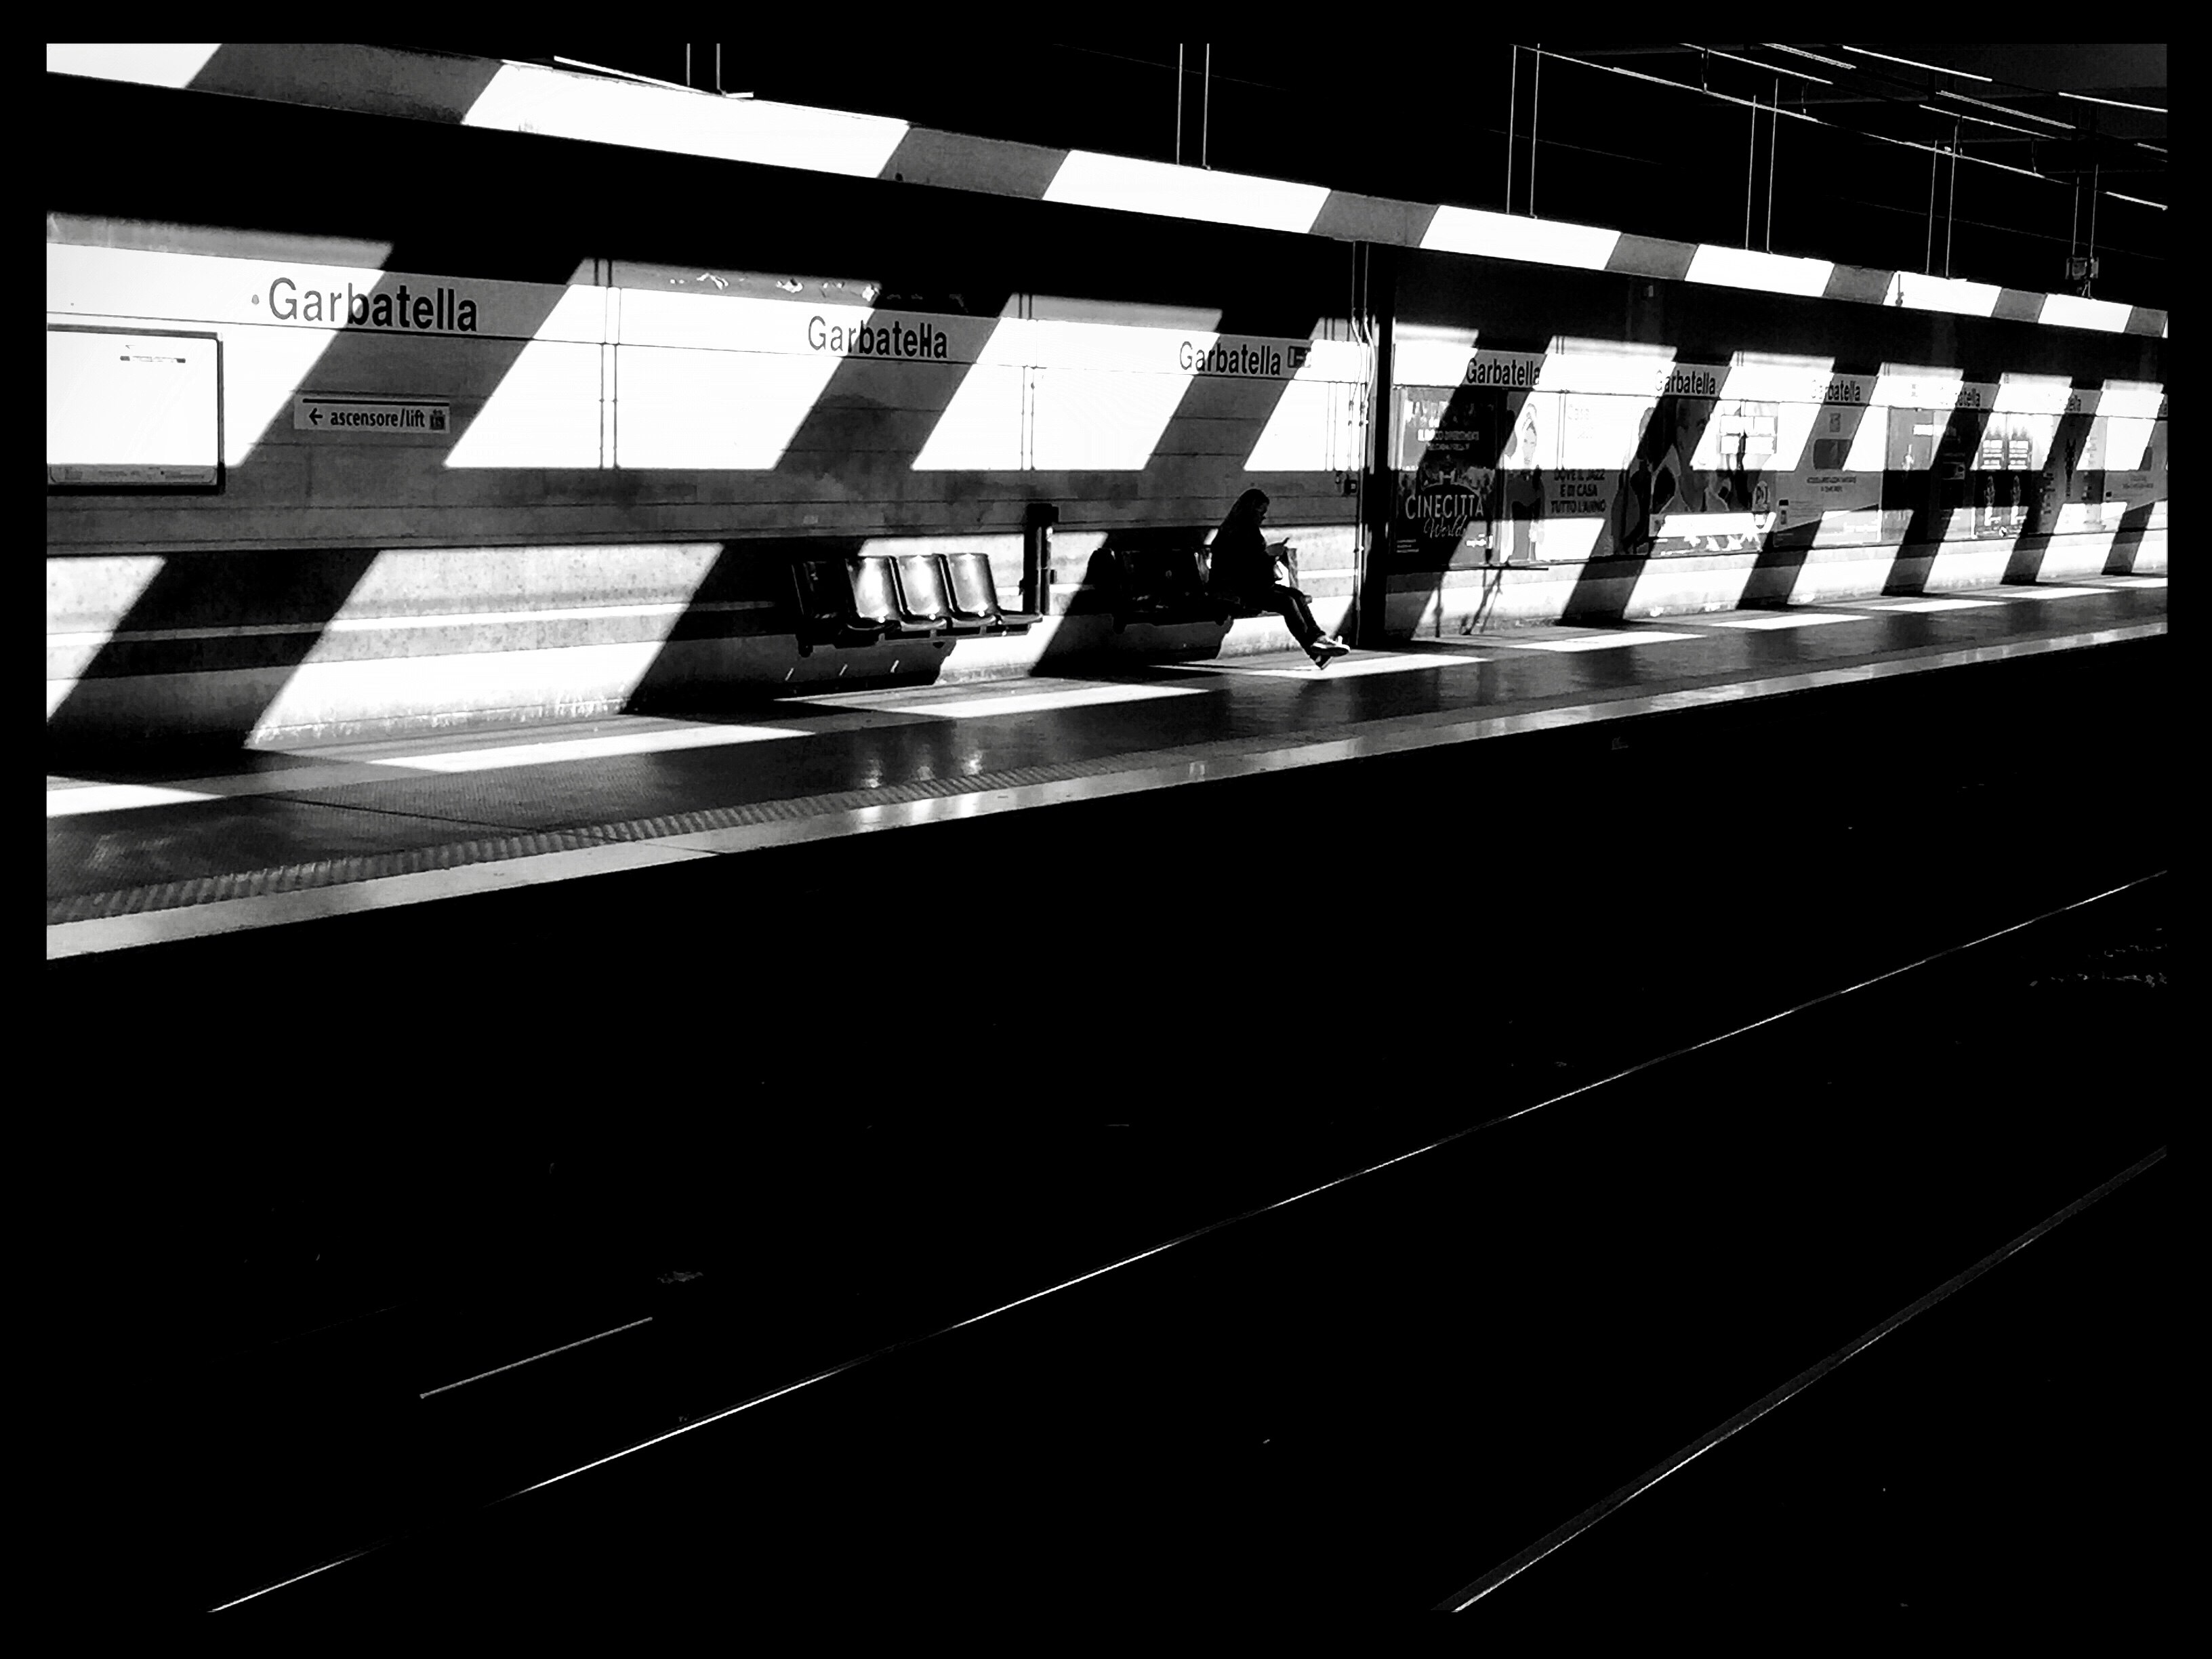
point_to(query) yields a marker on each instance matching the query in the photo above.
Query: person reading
(1244, 571)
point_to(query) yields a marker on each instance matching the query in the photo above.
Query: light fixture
(2017, 114)
(1963, 74)
(1770, 69)
(2117, 103)
(1798, 51)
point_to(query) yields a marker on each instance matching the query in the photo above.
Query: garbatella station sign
(99, 285)
(438, 310)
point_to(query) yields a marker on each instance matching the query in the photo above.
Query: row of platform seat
(858, 600)
(1170, 584)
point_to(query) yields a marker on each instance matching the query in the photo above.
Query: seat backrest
(873, 598)
(975, 589)
(823, 589)
(921, 584)
(1154, 569)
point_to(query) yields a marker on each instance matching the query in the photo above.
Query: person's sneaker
(1329, 646)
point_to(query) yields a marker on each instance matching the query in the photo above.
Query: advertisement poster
(1495, 471)
(1445, 445)
(1475, 475)
(1828, 493)
(1698, 481)
(2138, 486)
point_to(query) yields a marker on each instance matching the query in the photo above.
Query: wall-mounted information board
(133, 411)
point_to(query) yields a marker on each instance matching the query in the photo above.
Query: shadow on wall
(737, 632)
(236, 625)
(217, 637)
(202, 655)
(218, 641)
(1470, 511)
(733, 648)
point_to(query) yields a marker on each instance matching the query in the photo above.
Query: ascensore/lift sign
(329, 412)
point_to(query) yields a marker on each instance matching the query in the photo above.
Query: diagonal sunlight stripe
(1606, 642)
(980, 429)
(88, 599)
(566, 104)
(984, 708)
(162, 64)
(575, 749)
(1917, 292)
(533, 97)
(1784, 619)
(1460, 1600)
(69, 797)
(1902, 385)
(545, 411)
(1319, 420)
(264, 362)
(1195, 1233)
(1504, 236)
(114, 798)
(1937, 603)
(1769, 273)
(711, 384)
(1358, 667)
(1127, 184)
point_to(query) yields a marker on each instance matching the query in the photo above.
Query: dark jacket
(1241, 562)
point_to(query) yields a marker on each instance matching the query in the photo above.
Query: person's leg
(1319, 645)
(1291, 605)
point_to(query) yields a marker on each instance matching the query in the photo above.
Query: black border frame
(221, 472)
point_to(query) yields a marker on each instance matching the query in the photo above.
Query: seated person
(1244, 571)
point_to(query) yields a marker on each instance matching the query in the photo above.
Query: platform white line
(1038, 702)
(1784, 619)
(1356, 666)
(608, 747)
(75, 800)
(443, 1386)
(1599, 641)
(72, 798)
(1943, 603)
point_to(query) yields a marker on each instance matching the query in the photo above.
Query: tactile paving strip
(490, 849)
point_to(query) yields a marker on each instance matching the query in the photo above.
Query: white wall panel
(711, 410)
(545, 412)
(1095, 420)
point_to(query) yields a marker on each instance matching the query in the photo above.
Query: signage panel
(330, 412)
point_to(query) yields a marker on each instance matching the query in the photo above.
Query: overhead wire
(1932, 148)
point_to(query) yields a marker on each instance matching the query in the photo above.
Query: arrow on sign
(316, 416)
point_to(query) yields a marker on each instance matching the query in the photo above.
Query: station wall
(469, 460)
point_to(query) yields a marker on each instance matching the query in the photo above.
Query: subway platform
(1716, 926)
(174, 848)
